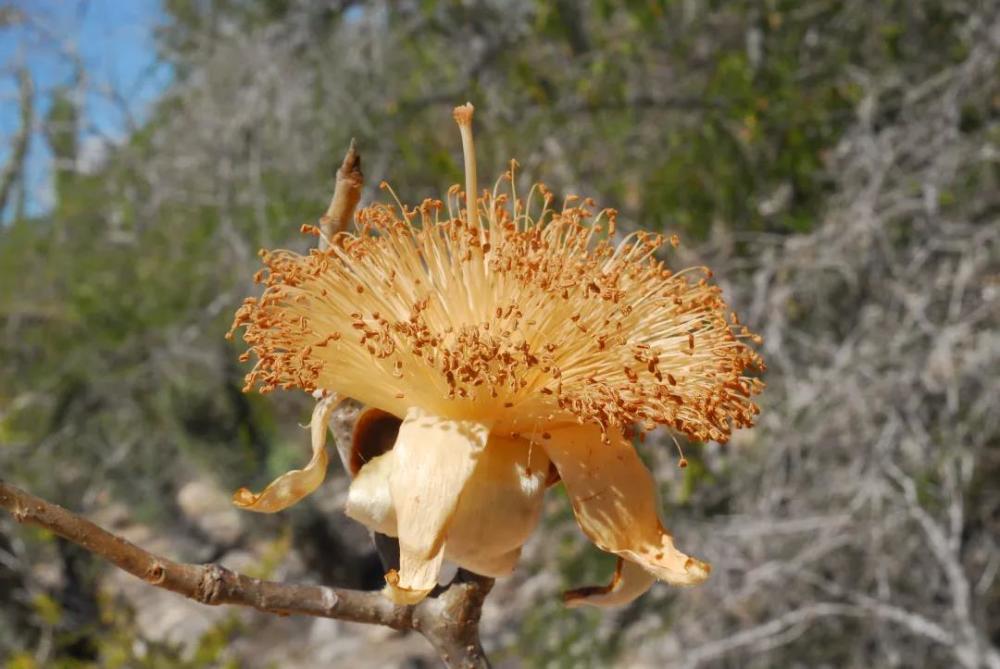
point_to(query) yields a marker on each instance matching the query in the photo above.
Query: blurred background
(836, 162)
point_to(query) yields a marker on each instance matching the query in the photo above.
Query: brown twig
(449, 621)
(346, 194)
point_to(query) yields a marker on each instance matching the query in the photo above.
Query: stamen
(682, 462)
(529, 321)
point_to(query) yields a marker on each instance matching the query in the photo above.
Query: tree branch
(346, 194)
(450, 621)
(209, 583)
(13, 170)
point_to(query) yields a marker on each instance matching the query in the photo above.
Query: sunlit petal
(499, 508)
(292, 486)
(432, 460)
(615, 502)
(368, 499)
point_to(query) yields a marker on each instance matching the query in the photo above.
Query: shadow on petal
(499, 508)
(432, 460)
(615, 502)
(628, 583)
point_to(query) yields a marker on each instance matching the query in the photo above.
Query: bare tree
(859, 507)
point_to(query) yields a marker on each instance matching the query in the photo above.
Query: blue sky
(114, 42)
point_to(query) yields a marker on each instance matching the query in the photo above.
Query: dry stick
(449, 621)
(208, 584)
(346, 194)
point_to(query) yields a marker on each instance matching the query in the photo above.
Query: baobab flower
(514, 349)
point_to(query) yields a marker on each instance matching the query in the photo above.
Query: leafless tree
(863, 510)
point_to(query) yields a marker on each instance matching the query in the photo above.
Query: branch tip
(346, 195)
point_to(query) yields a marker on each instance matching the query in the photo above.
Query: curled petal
(499, 507)
(615, 502)
(421, 577)
(292, 486)
(629, 582)
(432, 460)
(368, 499)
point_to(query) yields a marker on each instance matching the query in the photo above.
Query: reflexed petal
(615, 502)
(432, 460)
(490, 564)
(368, 499)
(420, 578)
(292, 486)
(629, 582)
(499, 507)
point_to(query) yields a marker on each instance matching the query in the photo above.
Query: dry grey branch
(449, 621)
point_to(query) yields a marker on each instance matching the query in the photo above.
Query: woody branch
(449, 621)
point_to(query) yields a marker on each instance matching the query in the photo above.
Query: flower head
(505, 340)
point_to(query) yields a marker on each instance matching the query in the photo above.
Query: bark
(450, 620)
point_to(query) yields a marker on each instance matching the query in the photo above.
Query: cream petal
(629, 582)
(433, 460)
(415, 578)
(368, 499)
(615, 502)
(292, 486)
(499, 508)
(488, 564)
(496, 513)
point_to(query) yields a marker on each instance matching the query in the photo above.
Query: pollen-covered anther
(548, 316)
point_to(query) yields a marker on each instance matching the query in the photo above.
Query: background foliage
(836, 162)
